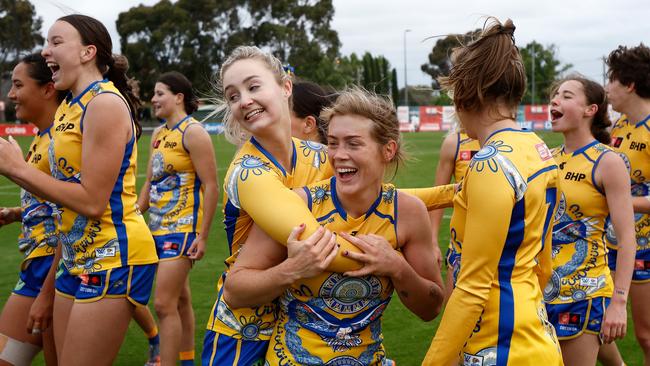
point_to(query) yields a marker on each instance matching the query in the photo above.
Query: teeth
(346, 170)
(253, 113)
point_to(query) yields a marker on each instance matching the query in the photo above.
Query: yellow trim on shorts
(214, 348)
(104, 290)
(641, 282)
(59, 293)
(237, 351)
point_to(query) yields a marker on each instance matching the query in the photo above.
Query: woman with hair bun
(109, 258)
(495, 314)
(583, 303)
(308, 100)
(180, 193)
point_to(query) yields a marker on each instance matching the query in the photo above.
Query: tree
(195, 36)
(20, 32)
(547, 69)
(439, 63)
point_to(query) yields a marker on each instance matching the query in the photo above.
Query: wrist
(287, 273)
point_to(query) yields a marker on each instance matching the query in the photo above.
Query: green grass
(406, 337)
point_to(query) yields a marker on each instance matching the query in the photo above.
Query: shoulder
(193, 133)
(409, 205)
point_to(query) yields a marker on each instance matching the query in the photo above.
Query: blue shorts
(572, 319)
(30, 280)
(132, 282)
(222, 350)
(641, 272)
(173, 246)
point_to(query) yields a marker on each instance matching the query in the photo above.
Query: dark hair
(37, 69)
(179, 84)
(309, 99)
(594, 94)
(487, 70)
(631, 65)
(113, 67)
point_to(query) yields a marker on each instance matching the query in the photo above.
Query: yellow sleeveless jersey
(580, 268)
(175, 197)
(39, 234)
(257, 189)
(332, 319)
(466, 148)
(120, 237)
(501, 222)
(632, 142)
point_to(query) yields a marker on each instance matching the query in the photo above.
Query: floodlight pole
(406, 83)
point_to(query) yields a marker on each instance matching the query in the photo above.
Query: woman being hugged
(495, 314)
(180, 193)
(107, 247)
(330, 317)
(26, 319)
(593, 189)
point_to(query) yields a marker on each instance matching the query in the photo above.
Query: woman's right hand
(310, 257)
(9, 215)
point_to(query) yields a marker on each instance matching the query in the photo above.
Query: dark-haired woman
(581, 299)
(180, 194)
(26, 319)
(628, 91)
(502, 213)
(109, 257)
(308, 100)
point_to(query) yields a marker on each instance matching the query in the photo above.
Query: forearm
(247, 287)
(434, 197)
(641, 204)
(624, 268)
(48, 285)
(422, 297)
(73, 196)
(210, 199)
(143, 197)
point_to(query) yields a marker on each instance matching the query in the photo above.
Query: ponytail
(116, 73)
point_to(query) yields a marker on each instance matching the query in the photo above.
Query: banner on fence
(11, 129)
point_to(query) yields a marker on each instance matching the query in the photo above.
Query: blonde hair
(233, 131)
(378, 109)
(487, 70)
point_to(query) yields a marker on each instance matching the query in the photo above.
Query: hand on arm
(10, 215)
(41, 312)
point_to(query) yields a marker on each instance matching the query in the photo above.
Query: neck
(358, 203)
(85, 79)
(483, 123)
(638, 110)
(280, 146)
(46, 117)
(174, 118)
(575, 139)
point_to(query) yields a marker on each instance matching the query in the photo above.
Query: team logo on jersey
(466, 155)
(543, 151)
(347, 295)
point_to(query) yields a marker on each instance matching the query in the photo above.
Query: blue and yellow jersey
(175, 197)
(501, 226)
(466, 148)
(331, 319)
(257, 189)
(120, 237)
(39, 232)
(632, 142)
(580, 268)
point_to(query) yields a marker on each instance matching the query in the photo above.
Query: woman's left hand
(615, 323)
(197, 249)
(11, 156)
(378, 256)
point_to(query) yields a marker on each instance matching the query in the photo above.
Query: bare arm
(444, 172)
(143, 197)
(107, 129)
(42, 309)
(197, 141)
(611, 174)
(417, 282)
(641, 204)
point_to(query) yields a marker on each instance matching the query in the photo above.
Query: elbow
(231, 298)
(92, 211)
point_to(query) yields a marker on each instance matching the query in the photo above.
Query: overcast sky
(583, 30)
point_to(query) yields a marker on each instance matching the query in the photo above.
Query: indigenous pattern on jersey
(175, 197)
(632, 142)
(501, 227)
(580, 268)
(39, 232)
(120, 237)
(332, 319)
(466, 148)
(257, 189)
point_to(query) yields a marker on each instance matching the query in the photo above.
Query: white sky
(583, 30)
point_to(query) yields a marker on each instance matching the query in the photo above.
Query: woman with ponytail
(180, 193)
(582, 302)
(495, 314)
(109, 258)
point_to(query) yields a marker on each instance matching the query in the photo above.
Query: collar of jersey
(339, 206)
(78, 97)
(273, 160)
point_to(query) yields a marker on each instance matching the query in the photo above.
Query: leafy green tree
(439, 59)
(547, 69)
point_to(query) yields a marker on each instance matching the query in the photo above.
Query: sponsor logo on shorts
(569, 319)
(169, 245)
(104, 252)
(90, 279)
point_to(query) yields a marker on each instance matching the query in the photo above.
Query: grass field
(406, 337)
